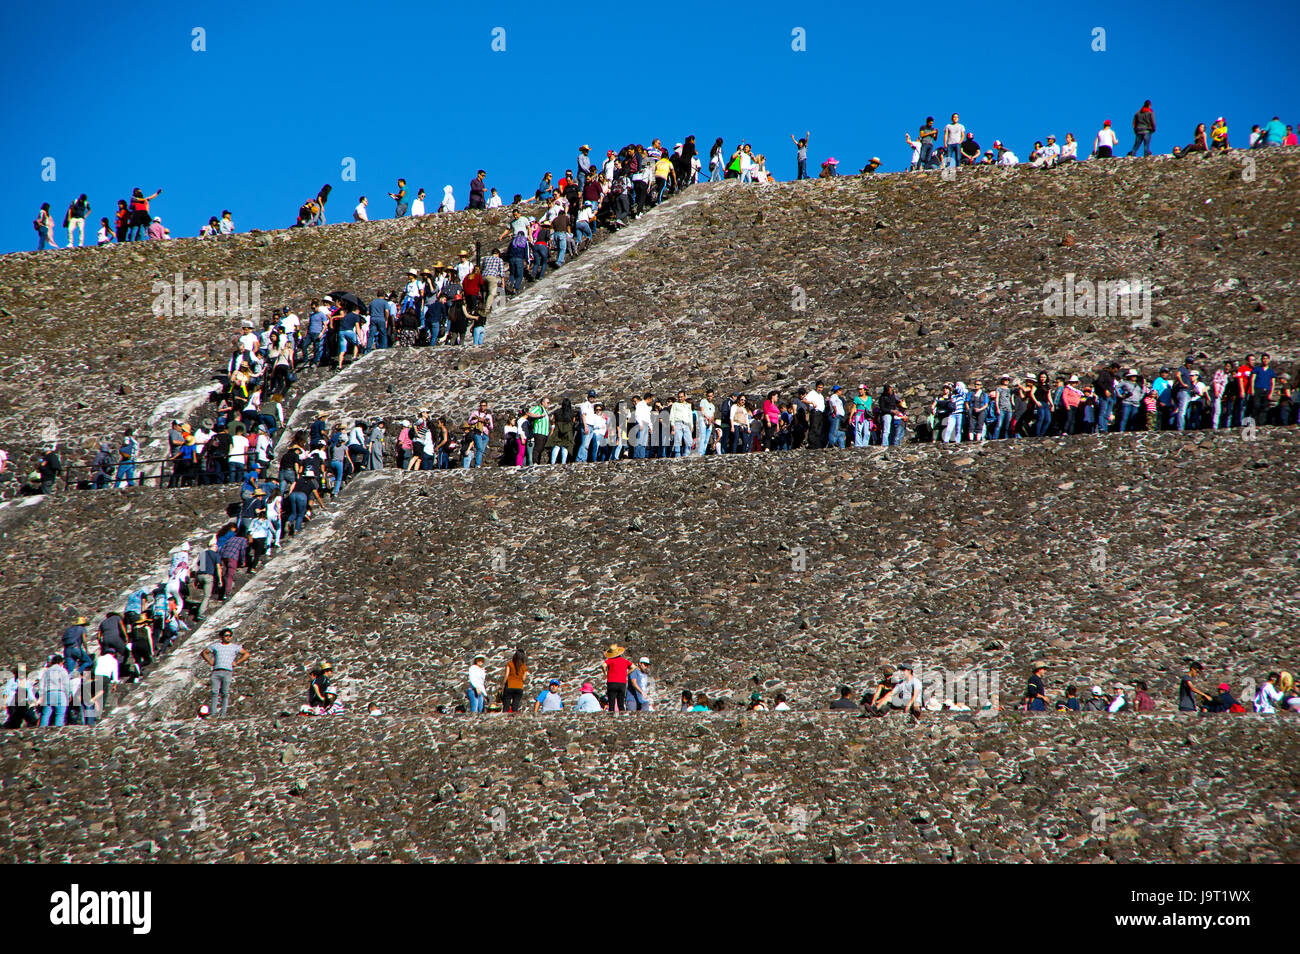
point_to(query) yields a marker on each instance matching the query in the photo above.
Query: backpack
(519, 243)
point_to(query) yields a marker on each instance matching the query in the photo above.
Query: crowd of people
(1238, 395)
(445, 303)
(629, 180)
(954, 145)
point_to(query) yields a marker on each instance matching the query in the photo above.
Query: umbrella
(346, 297)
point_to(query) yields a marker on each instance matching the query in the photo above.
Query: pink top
(771, 412)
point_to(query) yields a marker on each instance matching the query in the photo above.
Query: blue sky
(117, 97)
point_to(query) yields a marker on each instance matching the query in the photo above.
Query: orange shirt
(515, 677)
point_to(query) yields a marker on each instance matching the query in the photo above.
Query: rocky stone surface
(81, 326)
(1115, 558)
(767, 787)
(902, 278)
(77, 554)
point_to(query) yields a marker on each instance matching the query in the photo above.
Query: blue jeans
(584, 231)
(297, 510)
(560, 453)
(480, 448)
(1044, 420)
(337, 467)
(589, 447)
(861, 433)
(125, 476)
(1180, 413)
(1002, 428)
(54, 715)
(927, 149)
(681, 440)
(561, 247)
(706, 434)
(715, 172)
(76, 660)
(316, 345)
(803, 168)
(478, 334)
(953, 154)
(834, 433)
(1105, 407)
(1126, 415)
(541, 252)
(1142, 139)
(518, 270)
(378, 337)
(476, 699)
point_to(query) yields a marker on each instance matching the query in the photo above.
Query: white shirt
(463, 269)
(1265, 698)
(1107, 137)
(837, 406)
(642, 414)
(1008, 158)
(1117, 703)
(477, 679)
(417, 207)
(707, 411)
(1070, 149)
(494, 201)
(249, 340)
(781, 707)
(106, 666)
(906, 692)
(815, 401)
(954, 134)
(359, 213)
(238, 447)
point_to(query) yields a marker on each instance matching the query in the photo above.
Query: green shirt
(541, 425)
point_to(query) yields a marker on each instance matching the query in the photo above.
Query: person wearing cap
(906, 694)
(1219, 136)
(476, 690)
(549, 699)
(1071, 400)
(1224, 701)
(640, 687)
(1036, 691)
(585, 168)
(75, 657)
(1097, 701)
(1129, 393)
(1104, 143)
(1001, 407)
(223, 656)
(616, 667)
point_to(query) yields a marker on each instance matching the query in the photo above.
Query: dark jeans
(512, 699)
(518, 269)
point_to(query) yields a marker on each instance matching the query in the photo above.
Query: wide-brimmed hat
(1038, 664)
(614, 650)
(588, 687)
